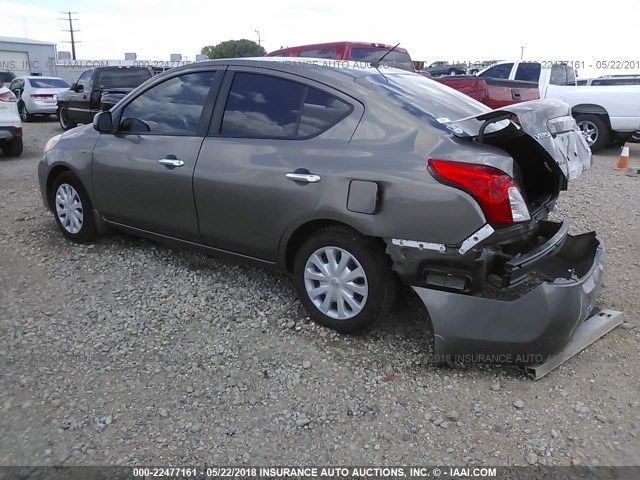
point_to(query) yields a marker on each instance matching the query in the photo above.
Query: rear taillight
(495, 191)
(7, 97)
(42, 96)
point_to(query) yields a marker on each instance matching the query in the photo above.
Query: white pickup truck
(602, 111)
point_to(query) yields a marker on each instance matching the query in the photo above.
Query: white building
(24, 56)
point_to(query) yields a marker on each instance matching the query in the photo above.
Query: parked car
(493, 92)
(602, 112)
(476, 67)
(10, 125)
(6, 77)
(348, 178)
(439, 68)
(37, 95)
(97, 89)
(357, 51)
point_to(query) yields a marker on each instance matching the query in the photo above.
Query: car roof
(298, 65)
(340, 44)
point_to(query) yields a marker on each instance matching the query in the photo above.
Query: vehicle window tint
(83, 81)
(262, 106)
(173, 107)
(48, 83)
(571, 76)
(319, 112)
(393, 59)
(319, 53)
(558, 75)
(528, 72)
(582, 82)
(498, 71)
(6, 77)
(122, 77)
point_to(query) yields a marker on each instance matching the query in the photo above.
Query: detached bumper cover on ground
(530, 329)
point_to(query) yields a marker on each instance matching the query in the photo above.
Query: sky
(589, 31)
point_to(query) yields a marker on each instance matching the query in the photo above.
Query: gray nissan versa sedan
(350, 178)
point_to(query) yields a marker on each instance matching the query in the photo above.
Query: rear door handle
(515, 94)
(303, 177)
(171, 162)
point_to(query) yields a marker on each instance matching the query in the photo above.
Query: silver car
(354, 180)
(37, 95)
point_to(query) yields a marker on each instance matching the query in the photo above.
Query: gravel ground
(128, 352)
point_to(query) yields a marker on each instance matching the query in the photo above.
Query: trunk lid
(547, 122)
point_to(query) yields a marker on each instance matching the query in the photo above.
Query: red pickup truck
(493, 92)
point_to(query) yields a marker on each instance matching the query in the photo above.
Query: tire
(595, 130)
(13, 148)
(78, 224)
(25, 116)
(372, 291)
(452, 71)
(63, 118)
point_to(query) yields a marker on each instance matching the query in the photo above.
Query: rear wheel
(343, 279)
(63, 117)
(13, 148)
(72, 209)
(594, 129)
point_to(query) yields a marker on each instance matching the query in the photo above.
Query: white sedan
(37, 95)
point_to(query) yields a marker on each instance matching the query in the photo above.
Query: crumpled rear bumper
(530, 329)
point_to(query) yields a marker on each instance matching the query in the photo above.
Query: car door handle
(171, 162)
(515, 94)
(303, 177)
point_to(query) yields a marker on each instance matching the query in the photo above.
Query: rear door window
(528, 72)
(263, 106)
(498, 71)
(319, 53)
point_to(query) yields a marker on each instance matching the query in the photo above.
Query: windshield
(48, 83)
(431, 102)
(393, 59)
(123, 77)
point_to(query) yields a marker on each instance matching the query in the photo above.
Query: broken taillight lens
(495, 191)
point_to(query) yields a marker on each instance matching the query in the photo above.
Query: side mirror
(74, 86)
(103, 122)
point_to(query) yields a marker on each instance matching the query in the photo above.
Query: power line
(71, 31)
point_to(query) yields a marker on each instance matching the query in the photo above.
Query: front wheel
(594, 129)
(72, 209)
(63, 117)
(343, 279)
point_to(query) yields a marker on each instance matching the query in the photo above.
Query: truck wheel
(452, 71)
(594, 129)
(343, 279)
(25, 116)
(63, 118)
(13, 148)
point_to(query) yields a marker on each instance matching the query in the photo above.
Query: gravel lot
(128, 352)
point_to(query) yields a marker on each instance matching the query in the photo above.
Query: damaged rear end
(520, 289)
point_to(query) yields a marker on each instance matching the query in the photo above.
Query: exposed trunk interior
(537, 174)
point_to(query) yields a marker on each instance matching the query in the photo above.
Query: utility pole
(521, 53)
(71, 31)
(258, 32)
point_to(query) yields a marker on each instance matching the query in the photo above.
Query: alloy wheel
(589, 130)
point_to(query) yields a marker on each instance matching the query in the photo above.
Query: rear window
(498, 71)
(528, 72)
(48, 83)
(122, 77)
(430, 101)
(393, 59)
(319, 53)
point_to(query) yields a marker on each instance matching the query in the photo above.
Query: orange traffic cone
(623, 163)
